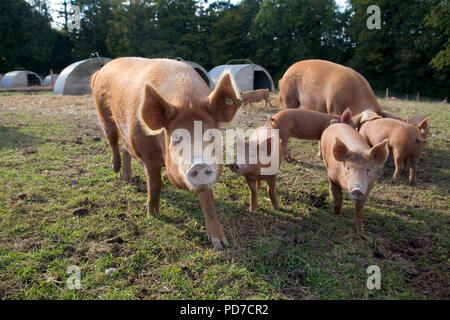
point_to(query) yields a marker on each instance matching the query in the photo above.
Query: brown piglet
(406, 142)
(155, 105)
(267, 143)
(351, 165)
(304, 124)
(248, 97)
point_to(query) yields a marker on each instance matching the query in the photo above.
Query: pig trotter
(152, 210)
(359, 228)
(336, 196)
(359, 207)
(412, 172)
(115, 158)
(153, 176)
(219, 244)
(126, 170)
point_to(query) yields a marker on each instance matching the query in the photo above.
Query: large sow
(143, 102)
(327, 87)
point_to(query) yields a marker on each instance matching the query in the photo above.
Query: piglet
(304, 124)
(267, 143)
(248, 97)
(351, 165)
(406, 142)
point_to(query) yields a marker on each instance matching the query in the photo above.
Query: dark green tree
(26, 37)
(287, 31)
(398, 55)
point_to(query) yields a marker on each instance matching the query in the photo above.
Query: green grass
(299, 252)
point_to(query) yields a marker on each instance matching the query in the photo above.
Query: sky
(55, 6)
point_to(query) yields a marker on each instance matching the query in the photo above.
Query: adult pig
(327, 87)
(351, 165)
(145, 103)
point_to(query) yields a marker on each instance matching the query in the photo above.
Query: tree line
(409, 54)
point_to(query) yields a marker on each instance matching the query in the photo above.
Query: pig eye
(348, 168)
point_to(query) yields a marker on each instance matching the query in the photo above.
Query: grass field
(61, 205)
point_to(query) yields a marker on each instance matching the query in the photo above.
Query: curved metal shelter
(20, 78)
(202, 72)
(247, 76)
(48, 79)
(75, 79)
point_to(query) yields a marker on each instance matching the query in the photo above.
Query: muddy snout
(201, 174)
(356, 192)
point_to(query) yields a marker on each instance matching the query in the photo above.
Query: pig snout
(201, 175)
(357, 192)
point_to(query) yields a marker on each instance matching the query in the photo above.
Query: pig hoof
(151, 211)
(225, 242)
(116, 165)
(216, 244)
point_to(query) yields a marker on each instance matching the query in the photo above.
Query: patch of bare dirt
(424, 279)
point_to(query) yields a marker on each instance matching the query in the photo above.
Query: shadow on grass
(12, 138)
(432, 169)
(306, 253)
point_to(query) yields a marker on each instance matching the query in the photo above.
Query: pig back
(330, 88)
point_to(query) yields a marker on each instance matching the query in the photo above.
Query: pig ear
(340, 150)
(379, 152)
(346, 115)
(155, 111)
(225, 100)
(424, 126)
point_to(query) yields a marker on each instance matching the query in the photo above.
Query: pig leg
(212, 224)
(258, 184)
(320, 150)
(111, 132)
(126, 170)
(399, 167)
(336, 196)
(252, 186)
(112, 136)
(153, 176)
(412, 171)
(271, 191)
(359, 207)
(285, 150)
